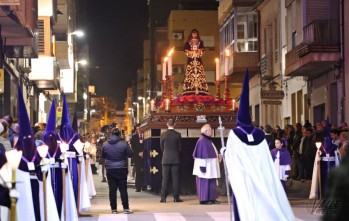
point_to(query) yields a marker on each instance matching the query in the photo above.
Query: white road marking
(113, 217)
(169, 217)
(219, 216)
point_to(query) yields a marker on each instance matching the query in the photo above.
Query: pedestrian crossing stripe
(215, 216)
(113, 217)
(169, 217)
(219, 216)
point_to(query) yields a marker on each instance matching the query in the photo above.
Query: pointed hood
(244, 118)
(66, 131)
(26, 140)
(65, 112)
(50, 136)
(75, 122)
(51, 122)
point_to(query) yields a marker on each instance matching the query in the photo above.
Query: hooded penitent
(50, 135)
(244, 122)
(26, 140)
(69, 136)
(50, 139)
(26, 143)
(251, 170)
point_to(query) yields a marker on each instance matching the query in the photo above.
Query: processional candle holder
(87, 149)
(13, 158)
(169, 86)
(218, 89)
(318, 145)
(164, 89)
(226, 88)
(79, 149)
(42, 150)
(64, 147)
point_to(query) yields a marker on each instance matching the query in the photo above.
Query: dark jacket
(170, 142)
(115, 151)
(137, 147)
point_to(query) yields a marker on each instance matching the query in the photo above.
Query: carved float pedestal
(190, 113)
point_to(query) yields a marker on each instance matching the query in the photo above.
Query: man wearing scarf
(206, 167)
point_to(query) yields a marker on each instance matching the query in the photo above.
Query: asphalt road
(146, 206)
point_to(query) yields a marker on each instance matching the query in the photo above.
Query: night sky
(116, 31)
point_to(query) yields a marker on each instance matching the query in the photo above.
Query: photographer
(115, 151)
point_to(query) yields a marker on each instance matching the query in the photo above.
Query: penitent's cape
(258, 191)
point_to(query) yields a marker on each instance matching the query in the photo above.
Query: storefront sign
(270, 102)
(271, 94)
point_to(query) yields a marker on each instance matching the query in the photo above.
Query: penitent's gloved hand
(203, 169)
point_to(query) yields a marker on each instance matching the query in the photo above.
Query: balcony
(18, 25)
(45, 73)
(238, 63)
(318, 52)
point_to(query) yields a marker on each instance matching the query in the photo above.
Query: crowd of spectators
(300, 141)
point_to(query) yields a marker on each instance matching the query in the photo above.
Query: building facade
(315, 52)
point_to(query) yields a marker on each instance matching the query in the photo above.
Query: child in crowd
(282, 161)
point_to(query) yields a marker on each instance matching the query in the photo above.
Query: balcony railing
(318, 51)
(321, 32)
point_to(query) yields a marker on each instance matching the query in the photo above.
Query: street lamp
(137, 105)
(82, 62)
(143, 99)
(77, 33)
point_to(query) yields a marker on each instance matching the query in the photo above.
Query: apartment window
(294, 36)
(247, 32)
(227, 34)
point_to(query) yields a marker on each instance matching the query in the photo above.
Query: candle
(233, 104)
(169, 66)
(167, 105)
(169, 62)
(226, 62)
(152, 105)
(217, 69)
(164, 68)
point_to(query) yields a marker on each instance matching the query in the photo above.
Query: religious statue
(195, 79)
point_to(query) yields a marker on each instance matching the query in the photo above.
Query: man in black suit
(137, 146)
(170, 142)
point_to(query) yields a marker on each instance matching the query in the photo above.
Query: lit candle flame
(227, 52)
(170, 52)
